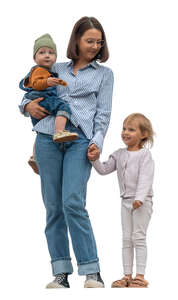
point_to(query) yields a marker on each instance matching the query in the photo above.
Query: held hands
(52, 81)
(93, 152)
(137, 204)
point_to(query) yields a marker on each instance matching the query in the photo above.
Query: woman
(65, 168)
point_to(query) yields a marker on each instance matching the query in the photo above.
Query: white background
(142, 38)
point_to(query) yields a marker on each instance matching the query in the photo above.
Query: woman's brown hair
(79, 29)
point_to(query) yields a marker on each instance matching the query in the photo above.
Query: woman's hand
(93, 152)
(35, 110)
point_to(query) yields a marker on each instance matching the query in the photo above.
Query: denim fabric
(64, 170)
(51, 102)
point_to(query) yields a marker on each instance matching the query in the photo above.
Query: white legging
(134, 228)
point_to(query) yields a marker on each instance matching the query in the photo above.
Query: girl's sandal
(138, 282)
(121, 283)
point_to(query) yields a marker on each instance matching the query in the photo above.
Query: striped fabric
(89, 94)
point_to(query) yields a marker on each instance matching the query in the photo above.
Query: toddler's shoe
(94, 281)
(33, 164)
(64, 136)
(60, 281)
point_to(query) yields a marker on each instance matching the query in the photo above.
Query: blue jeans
(52, 103)
(64, 170)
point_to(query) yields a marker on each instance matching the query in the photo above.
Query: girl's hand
(93, 152)
(52, 81)
(136, 204)
(35, 110)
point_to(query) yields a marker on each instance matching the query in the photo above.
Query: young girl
(135, 170)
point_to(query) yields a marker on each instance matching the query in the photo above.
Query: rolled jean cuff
(63, 113)
(89, 268)
(62, 266)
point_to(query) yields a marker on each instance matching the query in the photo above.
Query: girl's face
(45, 57)
(90, 44)
(131, 135)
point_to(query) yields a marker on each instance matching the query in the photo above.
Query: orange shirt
(38, 79)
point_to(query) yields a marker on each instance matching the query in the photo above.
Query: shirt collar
(93, 63)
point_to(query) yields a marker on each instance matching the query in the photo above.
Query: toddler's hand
(136, 204)
(52, 81)
(62, 82)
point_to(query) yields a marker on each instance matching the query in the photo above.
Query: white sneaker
(64, 136)
(60, 281)
(94, 281)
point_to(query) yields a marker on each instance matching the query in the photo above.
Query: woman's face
(90, 44)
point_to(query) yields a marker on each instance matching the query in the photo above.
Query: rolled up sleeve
(22, 106)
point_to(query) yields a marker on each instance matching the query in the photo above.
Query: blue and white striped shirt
(89, 94)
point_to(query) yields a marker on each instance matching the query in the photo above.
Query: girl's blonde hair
(145, 128)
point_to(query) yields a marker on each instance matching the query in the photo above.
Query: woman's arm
(29, 107)
(103, 109)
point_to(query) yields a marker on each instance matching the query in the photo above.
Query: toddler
(42, 82)
(135, 168)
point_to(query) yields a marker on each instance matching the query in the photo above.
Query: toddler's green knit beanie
(44, 41)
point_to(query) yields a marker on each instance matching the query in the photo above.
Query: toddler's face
(45, 57)
(131, 135)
